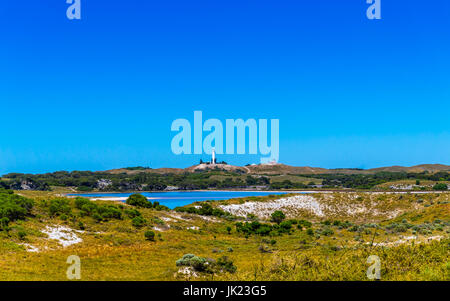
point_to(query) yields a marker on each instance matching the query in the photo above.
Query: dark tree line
(88, 181)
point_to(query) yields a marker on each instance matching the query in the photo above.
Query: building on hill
(213, 157)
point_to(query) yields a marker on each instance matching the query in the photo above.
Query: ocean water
(174, 199)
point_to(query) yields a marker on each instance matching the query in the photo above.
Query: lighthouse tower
(213, 156)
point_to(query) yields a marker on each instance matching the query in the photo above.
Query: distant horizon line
(137, 167)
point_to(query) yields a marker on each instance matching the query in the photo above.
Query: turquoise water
(174, 199)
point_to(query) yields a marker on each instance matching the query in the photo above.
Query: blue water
(174, 199)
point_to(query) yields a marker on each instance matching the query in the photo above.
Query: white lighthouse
(213, 156)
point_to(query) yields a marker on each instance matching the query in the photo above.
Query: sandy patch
(288, 205)
(209, 219)
(180, 217)
(319, 205)
(64, 235)
(408, 239)
(30, 248)
(161, 228)
(186, 271)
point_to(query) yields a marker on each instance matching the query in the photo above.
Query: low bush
(138, 222)
(205, 209)
(278, 216)
(207, 265)
(22, 234)
(98, 212)
(149, 235)
(59, 206)
(304, 223)
(440, 186)
(13, 207)
(257, 228)
(225, 264)
(132, 213)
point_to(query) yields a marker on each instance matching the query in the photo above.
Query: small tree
(278, 216)
(229, 229)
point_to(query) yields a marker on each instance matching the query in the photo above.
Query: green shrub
(22, 234)
(255, 227)
(81, 226)
(138, 200)
(440, 186)
(89, 208)
(327, 231)
(205, 209)
(337, 223)
(225, 264)
(59, 206)
(14, 207)
(4, 224)
(98, 212)
(98, 218)
(149, 235)
(132, 213)
(278, 216)
(304, 223)
(109, 211)
(207, 265)
(285, 226)
(138, 221)
(79, 202)
(354, 228)
(161, 208)
(198, 263)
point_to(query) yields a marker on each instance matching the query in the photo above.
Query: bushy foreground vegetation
(136, 241)
(409, 262)
(13, 207)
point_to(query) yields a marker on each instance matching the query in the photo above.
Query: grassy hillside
(305, 246)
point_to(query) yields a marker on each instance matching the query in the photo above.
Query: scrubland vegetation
(146, 180)
(202, 241)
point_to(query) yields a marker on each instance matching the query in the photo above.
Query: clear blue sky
(102, 92)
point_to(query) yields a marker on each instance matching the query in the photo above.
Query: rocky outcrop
(103, 183)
